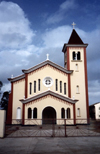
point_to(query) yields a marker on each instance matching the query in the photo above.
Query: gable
(46, 71)
(47, 62)
(45, 95)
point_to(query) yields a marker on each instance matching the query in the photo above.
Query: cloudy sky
(29, 29)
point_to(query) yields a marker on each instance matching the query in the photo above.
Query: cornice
(17, 78)
(73, 45)
(25, 101)
(49, 63)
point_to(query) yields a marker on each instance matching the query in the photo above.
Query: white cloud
(68, 4)
(94, 91)
(57, 37)
(15, 40)
(62, 11)
(15, 29)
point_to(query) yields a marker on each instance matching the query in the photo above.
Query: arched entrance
(49, 115)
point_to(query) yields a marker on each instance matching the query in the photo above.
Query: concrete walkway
(69, 145)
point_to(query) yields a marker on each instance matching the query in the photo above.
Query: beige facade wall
(78, 79)
(48, 101)
(18, 93)
(47, 71)
(2, 122)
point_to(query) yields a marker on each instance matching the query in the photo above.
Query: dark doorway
(49, 116)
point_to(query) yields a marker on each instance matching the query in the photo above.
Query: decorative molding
(48, 96)
(76, 60)
(17, 78)
(21, 80)
(47, 62)
(44, 94)
(73, 45)
(76, 48)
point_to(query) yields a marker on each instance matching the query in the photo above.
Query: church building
(48, 91)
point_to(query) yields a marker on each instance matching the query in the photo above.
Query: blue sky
(29, 29)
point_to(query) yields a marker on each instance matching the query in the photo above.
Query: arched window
(18, 113)
(35, 113)
(73, 55)
(78, 112)
(29, 113)
(62, 113)
(78, 55)
(30, 84)
(77, 89)
(68, 113)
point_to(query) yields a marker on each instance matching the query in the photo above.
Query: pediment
(47, 62)
(44, 94)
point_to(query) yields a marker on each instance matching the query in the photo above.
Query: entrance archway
(49, 115)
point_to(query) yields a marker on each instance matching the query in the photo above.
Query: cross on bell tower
(73, 24)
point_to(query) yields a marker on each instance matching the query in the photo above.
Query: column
(32, 115)
(76, 56)
(65, 114)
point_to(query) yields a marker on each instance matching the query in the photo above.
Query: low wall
(2, 123)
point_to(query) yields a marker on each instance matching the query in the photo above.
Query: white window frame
(18, 115)
(48, 78)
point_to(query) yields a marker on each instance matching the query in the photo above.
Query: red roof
(74, 38)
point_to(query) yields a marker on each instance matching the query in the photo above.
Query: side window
(78, 112)
(62, 113)
(68, 113)
(35, 113)
(18, 113)
(76, 67)
(77, 89)
(29, 113)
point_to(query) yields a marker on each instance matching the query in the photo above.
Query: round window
(48, 81)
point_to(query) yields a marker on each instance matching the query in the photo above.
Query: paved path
(69, 145)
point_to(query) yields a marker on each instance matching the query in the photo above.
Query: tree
(4, 100)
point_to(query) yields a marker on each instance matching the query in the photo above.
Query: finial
(12, 76)
(24, 97)
(73, 97)
(47, 57)
(73, 25)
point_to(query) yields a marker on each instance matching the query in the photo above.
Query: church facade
(48, 91)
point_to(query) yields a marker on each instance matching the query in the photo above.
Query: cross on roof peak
(73, 24)
(47, 56)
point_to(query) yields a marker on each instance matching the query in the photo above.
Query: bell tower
(75, 59)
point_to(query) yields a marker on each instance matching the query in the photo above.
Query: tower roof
(74, 38)
(74, 41)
